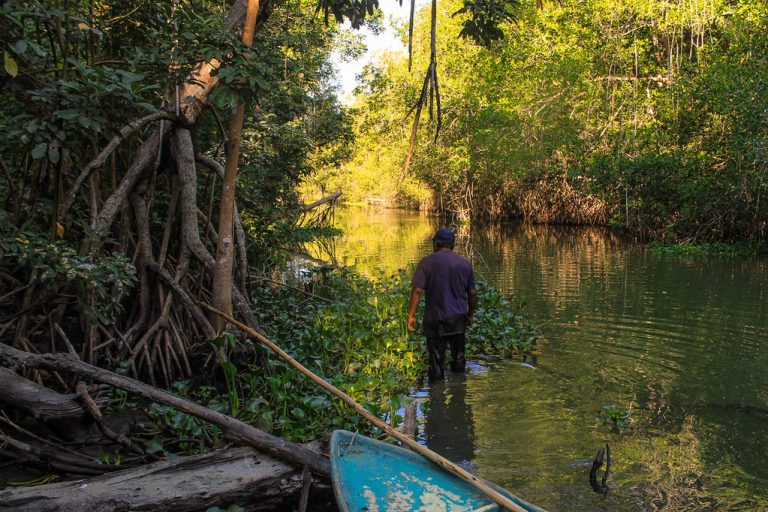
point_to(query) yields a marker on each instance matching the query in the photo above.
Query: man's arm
(415, 297)
(472, 300)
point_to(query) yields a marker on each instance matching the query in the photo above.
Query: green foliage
(640, 114)
(498, 327)
(192, 434)
(357, 340)
(485, 19)
(225, 344)
(102, 280)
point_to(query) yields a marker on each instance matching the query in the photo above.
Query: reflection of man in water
(451, 299)
(449, 428)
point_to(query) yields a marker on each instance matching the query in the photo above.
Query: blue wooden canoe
(372, 476)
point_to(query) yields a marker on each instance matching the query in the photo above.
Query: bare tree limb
(320, 202)
(179, 484)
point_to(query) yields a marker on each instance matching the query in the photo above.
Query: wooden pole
(410, 443)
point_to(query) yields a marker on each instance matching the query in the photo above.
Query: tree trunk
(239, 476)
(222, 272)
(64, 414)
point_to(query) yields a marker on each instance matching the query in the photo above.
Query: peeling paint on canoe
(370, 498)
(371, 476)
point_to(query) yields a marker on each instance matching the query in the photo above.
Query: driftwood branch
(46, 456)
(95, 412)
(233, 429)
(320, 202)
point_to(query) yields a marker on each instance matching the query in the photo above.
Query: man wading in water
(451, 299)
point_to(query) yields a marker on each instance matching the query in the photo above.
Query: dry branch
(63, 413)
(50, 456)
(95, 412)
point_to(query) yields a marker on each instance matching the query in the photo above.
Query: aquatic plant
(616, 416)
(499, 327)
(711, 248)
(347, 329)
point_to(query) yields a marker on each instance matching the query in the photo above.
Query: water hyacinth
(352, 332)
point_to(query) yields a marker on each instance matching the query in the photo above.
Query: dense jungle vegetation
(650, 115)
(150, 158)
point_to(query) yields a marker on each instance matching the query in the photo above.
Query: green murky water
(680, 342)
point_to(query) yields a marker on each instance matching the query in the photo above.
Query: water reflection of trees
(676, 337)
(557, 258)
(680, 480)
(377, 241)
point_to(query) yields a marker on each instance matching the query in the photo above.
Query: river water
(680, 343)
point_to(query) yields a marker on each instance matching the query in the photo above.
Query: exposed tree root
(148, 212)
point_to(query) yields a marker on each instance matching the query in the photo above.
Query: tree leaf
(10, 65)
(20, 47)
(154, 445)
(69, 113)
(128, 78)
(39, 151)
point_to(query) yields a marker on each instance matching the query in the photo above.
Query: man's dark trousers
(436, 346)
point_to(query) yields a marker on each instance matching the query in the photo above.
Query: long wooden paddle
(413, 445)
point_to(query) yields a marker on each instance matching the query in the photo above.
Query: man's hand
(470, 320)
(412, 304)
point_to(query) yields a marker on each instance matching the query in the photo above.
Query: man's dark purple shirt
(446, 278)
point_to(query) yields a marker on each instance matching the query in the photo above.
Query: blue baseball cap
(445, 234)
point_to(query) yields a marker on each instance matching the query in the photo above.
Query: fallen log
(233, 430)
(64, 413)
(235, 476)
